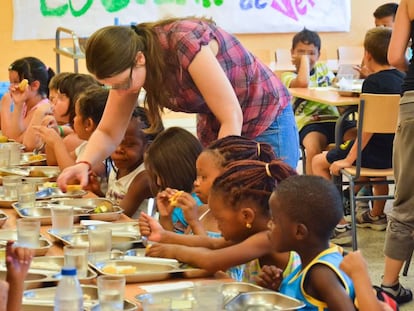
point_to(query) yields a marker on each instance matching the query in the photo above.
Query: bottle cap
(68, 271)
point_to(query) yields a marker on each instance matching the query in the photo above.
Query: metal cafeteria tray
(3, 218)
(44, 244)
(43, 299)
(42, 210)
(267, 300)
(54, 264)
(33, 279)
(120, 241)
(134, 271)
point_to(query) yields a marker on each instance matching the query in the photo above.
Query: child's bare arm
(214, 260)
(18, 261)
(323, 284)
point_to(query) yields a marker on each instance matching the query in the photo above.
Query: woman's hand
(78, 172)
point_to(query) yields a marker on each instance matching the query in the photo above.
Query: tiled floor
(370, 243)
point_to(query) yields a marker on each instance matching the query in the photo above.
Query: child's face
(60, 103)
(79, 124)
(230, 221)
(279, 227)
(130, 152)
(207, 171)
(387, 21)
(304, 49)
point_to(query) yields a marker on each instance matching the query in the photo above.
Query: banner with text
(38, 19)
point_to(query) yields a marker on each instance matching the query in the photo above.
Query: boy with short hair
(384, 15)
(378, 147)
(315, 121)
(297, 204)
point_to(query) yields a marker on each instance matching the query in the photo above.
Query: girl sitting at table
(129, 183)
(89, 109)
(22, 107)
(171, 162)
(238, 201)
(315, 121)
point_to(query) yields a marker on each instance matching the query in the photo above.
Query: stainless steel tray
(42, 210)
(120, 241)
(34, 279)
(43, 299)
(184, 270)
(232, 289)
(263, 299)
(44, 244)
(3, 218)
(29, 158)
(54, 264)
(142, 272)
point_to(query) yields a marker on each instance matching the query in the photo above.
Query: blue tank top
(293, 284)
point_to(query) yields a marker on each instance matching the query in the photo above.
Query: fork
(39, 149)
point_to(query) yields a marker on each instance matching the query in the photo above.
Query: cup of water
(62, 219)
(77, 256)
(26, 195)
(11, 184)
(28, 232)
(111, 290)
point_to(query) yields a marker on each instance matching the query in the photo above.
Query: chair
(377, 113)
(283, 60)
(350, 55)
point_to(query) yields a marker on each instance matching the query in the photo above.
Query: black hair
(385, 10)
(311, 200)
(307, 36)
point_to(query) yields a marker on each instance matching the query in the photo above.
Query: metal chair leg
(407, 265)
(353, 216)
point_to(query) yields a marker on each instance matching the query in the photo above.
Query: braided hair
(251, 180)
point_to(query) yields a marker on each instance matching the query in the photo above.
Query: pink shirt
(261, 94)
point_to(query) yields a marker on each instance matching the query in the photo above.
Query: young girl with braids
(239, 202)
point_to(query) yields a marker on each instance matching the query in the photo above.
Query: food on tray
(23, 84)
(174, 199)
(49, 184)
(45, 266)
(36, 157)
(104, 207)
(4, 139)
(71, 188)
(37, 173)
(111, 269)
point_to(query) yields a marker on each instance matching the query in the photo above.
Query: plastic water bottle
(68, 295)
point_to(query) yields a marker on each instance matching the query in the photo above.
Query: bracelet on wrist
(87, 163)
(61, 132)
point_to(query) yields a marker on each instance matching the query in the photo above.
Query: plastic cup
(345, 82)
(11, 184)
(4, 157)
(62, 219)
(77, 256)
(15, 152)
(26, 195)
(111, 290)
(208, 295)
(28, 231)
(100, 244)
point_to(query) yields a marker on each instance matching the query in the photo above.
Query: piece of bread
(23, 84)
(71, 188)
(174, 199)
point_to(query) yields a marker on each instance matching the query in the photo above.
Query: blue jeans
(283, 135)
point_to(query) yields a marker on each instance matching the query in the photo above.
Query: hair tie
(258, 150)
(268, 172)
(137, 30)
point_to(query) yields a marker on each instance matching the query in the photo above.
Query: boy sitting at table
(377, 152)
(315, 121)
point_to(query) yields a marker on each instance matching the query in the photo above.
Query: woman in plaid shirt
(187, 65)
